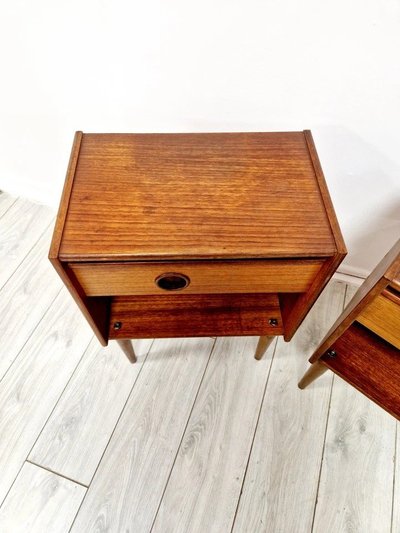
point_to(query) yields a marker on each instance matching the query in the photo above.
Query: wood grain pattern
(136, 206)
(382, 316)
(360, 478)
(194, 315)
(205, 483)
(75, 436)
(349, 497)
(392, 274)
(330, 211)
(396, 283)
(65, 197)
(360, 440)
(280, 485)
(377, 281)
(128, 485)
(187, 196)
(95, 310)
(25, 299)
(296, 306)
(20, 228)
(6, 201)
(33, 385)
(391, 293)
(207, 277)
(396, 491)
(370, 364)
(40, 501)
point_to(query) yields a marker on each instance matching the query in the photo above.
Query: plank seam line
(47, 419)
(60, 396)
(254, 435)
(322, 454)
(56, 473)
(27, 254)
(30, 335)
(395, 459)
(183, 435)
(9, 207)
(326, 432)
(112, 433)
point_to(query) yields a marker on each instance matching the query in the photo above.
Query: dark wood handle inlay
(172, 281)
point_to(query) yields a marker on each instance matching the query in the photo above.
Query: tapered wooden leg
(315, 371)
(262, 345)
(127, 347)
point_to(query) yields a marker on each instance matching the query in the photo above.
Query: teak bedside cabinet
(363, 346)
(203, 234)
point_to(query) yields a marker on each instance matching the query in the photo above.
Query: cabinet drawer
(205, 277)
(187, 315)
(382, 316)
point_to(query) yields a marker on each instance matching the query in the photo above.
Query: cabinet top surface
(187, 196)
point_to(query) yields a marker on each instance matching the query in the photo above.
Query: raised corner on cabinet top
(65, 197)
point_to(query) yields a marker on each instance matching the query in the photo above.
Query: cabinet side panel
(376, 282)
(95, 310)
(296, 307)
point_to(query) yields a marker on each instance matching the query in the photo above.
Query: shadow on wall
(371, 242)
(365, 188)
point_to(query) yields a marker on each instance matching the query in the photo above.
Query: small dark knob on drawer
(273, 322)
(172, 281)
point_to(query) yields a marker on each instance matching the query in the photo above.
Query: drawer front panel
(382, 317)
(194, 315)
(110, 279)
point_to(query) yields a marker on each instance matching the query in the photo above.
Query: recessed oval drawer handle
(172, 281)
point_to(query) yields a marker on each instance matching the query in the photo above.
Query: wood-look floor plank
(356, 487)
(281, 481)
(6, 201)
(77, 433)
(20, 228)
(29, 391)
(396, 493)
(206, 480)
(127, 487)
(40, 501)
(25, 298)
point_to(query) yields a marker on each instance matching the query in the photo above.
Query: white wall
(211, 65)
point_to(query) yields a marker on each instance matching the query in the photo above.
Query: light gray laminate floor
(197, 436)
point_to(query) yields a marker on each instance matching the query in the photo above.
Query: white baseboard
(354, 271)
(352, 275)
(347, 278)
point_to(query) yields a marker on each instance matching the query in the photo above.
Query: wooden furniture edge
(376, 282)
(83, 301)
(326, 198)
(391, 296)
(65, 197)
(396, 282)
(299, 310)
(89, 308)
(328, 363)
(393, 272)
